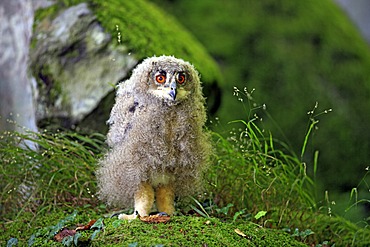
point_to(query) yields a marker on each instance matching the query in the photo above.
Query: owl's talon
(162, 214)
(128, 216)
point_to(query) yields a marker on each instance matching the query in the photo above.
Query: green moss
(148, 31)
(51, 86)
(180, 231)
(40, 228)
(188, 231)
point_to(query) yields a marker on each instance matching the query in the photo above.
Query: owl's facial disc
(169, 87)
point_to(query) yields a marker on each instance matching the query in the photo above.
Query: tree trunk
(17, 110)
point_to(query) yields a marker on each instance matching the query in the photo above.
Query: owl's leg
(165, 197)
(144, 199)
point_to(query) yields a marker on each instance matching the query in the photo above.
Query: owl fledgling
(158, 147)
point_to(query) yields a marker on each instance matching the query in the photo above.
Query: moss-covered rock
(82, 48)
(148, 30)
(75, 63)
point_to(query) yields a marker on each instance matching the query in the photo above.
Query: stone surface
(75, 64)
(358, 11)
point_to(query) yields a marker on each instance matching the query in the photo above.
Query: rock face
(358, 11)
(75, 64)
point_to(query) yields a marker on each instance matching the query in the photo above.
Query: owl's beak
(173, 90)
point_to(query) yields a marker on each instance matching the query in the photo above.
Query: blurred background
(292, 54)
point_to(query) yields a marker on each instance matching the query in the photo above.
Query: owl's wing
(120, 120)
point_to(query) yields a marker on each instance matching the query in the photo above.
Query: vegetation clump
(254, 184)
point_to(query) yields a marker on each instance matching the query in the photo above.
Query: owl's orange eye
(160, 79)
(180, 78)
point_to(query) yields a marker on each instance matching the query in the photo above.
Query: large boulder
(76, 64)
(79, 52)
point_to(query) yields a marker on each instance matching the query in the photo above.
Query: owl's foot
(165, 195)
(128, 216)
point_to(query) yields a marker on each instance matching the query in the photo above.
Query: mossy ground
(180, 231)
(252, 187)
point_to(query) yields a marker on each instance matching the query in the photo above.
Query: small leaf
(61, 224)
(306, 233)
(237, 214)
(76, 237)
(31, 240)
(67, 241)
(63, 234)
(117, 223)
(86, 227)
(71, 217)
(99, 224)
(225, 210)
(260, 214)
(295, 233)
(240, 233)
(95, 233)
(12, 242)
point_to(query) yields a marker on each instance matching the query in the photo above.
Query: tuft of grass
(267, 183)
(252, 174)
(60, 173)
(256, 172)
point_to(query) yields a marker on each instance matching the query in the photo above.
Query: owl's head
(167, 78)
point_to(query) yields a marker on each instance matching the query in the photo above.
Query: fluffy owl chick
(158, 147)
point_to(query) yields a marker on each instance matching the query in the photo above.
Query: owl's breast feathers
(156, 133)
